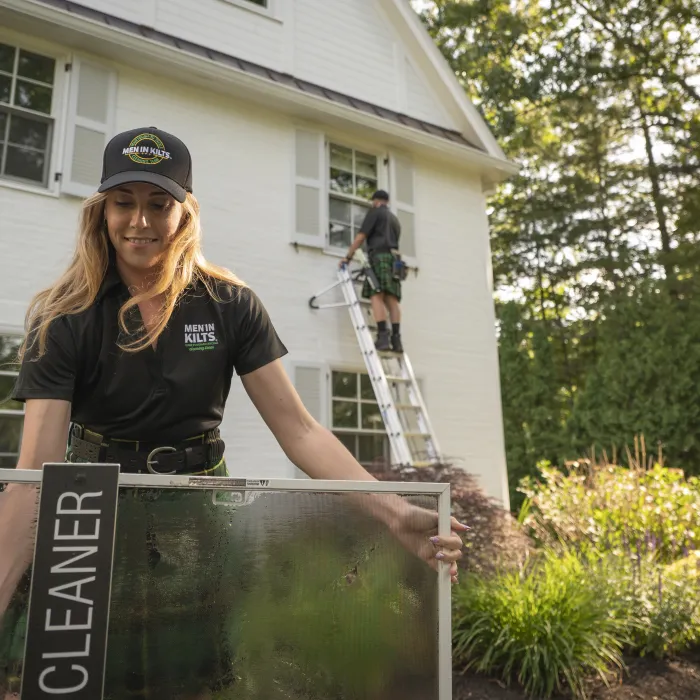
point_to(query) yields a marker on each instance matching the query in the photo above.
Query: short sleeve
(255, 342)
(52, 376)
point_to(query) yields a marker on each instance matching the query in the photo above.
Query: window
(26, 125)
(262, 3)
(353, 180)
(355, 418)
(11, 412)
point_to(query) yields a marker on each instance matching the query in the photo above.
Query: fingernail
(439, 555)
(466, 527)
(434, 540)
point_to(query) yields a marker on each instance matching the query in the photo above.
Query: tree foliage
(594, 242)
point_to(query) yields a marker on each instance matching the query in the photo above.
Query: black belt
(189, 456)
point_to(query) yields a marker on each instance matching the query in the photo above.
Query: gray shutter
(309, 189)
(310, 382)
(402, 184)
(90, 124)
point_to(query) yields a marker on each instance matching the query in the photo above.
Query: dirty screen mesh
(258, 595)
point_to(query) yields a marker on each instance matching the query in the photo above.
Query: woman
(135, 346)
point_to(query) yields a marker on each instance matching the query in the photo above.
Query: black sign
(69, 602)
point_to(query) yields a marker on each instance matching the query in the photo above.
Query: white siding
(421, 101)
(139, 11)
(227, 27)
(348, 46)
(243, 179)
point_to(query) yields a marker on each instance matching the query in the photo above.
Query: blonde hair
(75, 291)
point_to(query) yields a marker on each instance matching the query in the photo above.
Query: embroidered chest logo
(200, 337)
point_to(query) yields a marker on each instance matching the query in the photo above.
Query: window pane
(31, 96)
(7, 58)
(5, 88)
(371, 448)
(339, 236)
(366, 165)
(3, 125)
(341, 158)
(341, 181)
(339, 210)
(36, 67)
(345, 385)
(366, 389)
(371, 417)
(29, 133)
(9, 345)
(10, 432)
(349, 441)
(366, 187)
(26, 164)
(262, 3)
(358, 216)
(345, 414)
(7, 384)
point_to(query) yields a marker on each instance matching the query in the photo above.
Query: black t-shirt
(382, 228)
(170, 393)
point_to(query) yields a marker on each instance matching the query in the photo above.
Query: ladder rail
(417, 404)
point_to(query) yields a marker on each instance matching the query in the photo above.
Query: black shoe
(396, 344)
(382, 343)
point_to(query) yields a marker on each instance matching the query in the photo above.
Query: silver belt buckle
(152, 453)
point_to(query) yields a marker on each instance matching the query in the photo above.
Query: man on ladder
(382, 230)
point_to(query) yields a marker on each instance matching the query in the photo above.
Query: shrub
(496, 541)
(547, 627)
(609, 508)
(663, 601)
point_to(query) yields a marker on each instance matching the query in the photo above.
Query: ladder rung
(407, 407)
(397, 379)
(423, 435)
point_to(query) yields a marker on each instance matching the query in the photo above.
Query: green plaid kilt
(172, 630)
(383, 267)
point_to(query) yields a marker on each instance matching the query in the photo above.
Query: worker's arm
(360, 238)
(43, 440)
(318, 453)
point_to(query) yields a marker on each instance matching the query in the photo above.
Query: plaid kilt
(171, 632)
(383, 267)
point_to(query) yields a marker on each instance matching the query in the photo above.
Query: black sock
(381, 326)
(396, 328)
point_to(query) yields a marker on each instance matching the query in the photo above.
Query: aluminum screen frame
(442, 491)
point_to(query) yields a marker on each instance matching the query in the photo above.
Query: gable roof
(257, 70)
(424, 50)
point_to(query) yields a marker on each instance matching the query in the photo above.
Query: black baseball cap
(382, 195)
(148, 155)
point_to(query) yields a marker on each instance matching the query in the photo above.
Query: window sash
(18, 111)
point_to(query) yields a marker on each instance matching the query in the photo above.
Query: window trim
(269, 11)
(352, 369)
(57, 118)
(10, 412)
(382, 176)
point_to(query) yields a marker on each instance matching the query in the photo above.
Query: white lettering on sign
(74, 506)
(63, 691)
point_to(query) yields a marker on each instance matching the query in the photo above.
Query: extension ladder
(411, 435)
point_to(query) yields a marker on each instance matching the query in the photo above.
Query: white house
(295, 111)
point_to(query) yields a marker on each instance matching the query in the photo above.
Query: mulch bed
(645, 679)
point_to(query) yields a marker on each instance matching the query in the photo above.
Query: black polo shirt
(382, 228)
(167, 394)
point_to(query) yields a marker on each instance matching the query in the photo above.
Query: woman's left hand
(417, 529)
